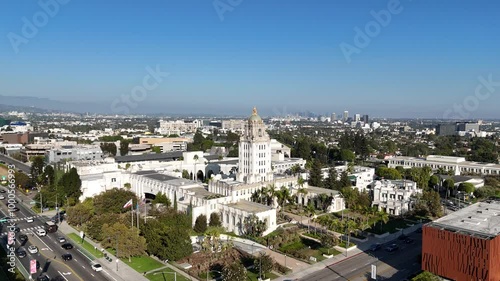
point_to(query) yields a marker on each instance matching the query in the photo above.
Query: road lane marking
(42, 241)
(84, 255)
(63, 264)
(62, 275)
(92, 275)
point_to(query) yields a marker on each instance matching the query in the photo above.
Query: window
(113, 179)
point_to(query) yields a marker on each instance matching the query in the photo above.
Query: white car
(62, 240)
(33, 249)
(30, 220)
(2, 197)
(97, 267)
(41, 232)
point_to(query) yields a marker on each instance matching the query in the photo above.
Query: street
(395, 266)
(49, 249)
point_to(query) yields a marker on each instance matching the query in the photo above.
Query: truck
(50, 227)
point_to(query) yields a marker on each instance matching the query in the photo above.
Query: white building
(233, 125)
(255, 152)
(393, 197)
(178, 127)
(361, 177)
(449, 163)
(72, 153)
(150, 174)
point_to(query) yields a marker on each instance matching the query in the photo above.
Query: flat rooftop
(319, 190)
(480, 219)
(249, 207)
(447, 161)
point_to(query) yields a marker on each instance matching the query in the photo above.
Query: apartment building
(393, 197)
(178, 127)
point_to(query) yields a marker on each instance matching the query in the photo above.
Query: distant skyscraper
(365, 118)
(357, 117)
(333, 118)
(346, 116)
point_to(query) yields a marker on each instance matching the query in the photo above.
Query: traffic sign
(32, 266)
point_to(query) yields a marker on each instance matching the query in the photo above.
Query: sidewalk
(124, 272)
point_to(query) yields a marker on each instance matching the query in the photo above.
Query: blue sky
(281, 56)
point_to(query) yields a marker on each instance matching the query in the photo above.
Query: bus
(50, 227)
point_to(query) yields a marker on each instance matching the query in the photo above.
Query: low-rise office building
(457, 164)
(464, 245)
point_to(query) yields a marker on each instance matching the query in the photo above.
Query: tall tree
(37, 166)
(48, 176)
(200, 225)
(331, 181)
(215, 220)
(123, 239)
(113, 200)
(315, 175)
(161, 198)
(124, 144)
(263, 264)
(175, 201)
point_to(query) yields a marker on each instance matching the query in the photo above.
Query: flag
(128, 204)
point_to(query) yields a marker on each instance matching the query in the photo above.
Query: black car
(67, 257)
(402, 237)
(2, 191)
(67, 246)
(15, 209)
(409, 241)
(375, 247)
(42, 278)
(21, 253)
(17, 229)
(23, 237)
(391, 248)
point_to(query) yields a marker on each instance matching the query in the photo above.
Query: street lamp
(163, 274)
(117, 237)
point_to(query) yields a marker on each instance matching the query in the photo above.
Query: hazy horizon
(422, 59)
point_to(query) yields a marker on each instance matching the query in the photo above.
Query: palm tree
(311, 211)
(283, 197)
(382, 218)
(195, 158)
(271, 193)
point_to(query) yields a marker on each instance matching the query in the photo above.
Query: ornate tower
(255, 152)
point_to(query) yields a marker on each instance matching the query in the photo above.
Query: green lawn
(308, 248)
(254, 276)
(86, 245)
(342, 244)
(140, 263)
(159, 276)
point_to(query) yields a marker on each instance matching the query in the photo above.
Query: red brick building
(465, 245)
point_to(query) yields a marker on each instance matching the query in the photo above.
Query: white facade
(457, 164)
(178, 127)
(80, 152)
(393, 197)
(255, 152)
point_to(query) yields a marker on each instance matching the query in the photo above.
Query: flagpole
(132, 212)
(137, 210)
(145, 210)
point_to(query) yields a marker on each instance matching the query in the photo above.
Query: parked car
(67, 257)
(67, 246)
(375, 247)
(409, 241)
(391, 248)
(33, 249)
(62, 240)
(97, 267)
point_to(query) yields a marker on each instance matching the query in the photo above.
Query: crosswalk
(22, 219)
(24, 230)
